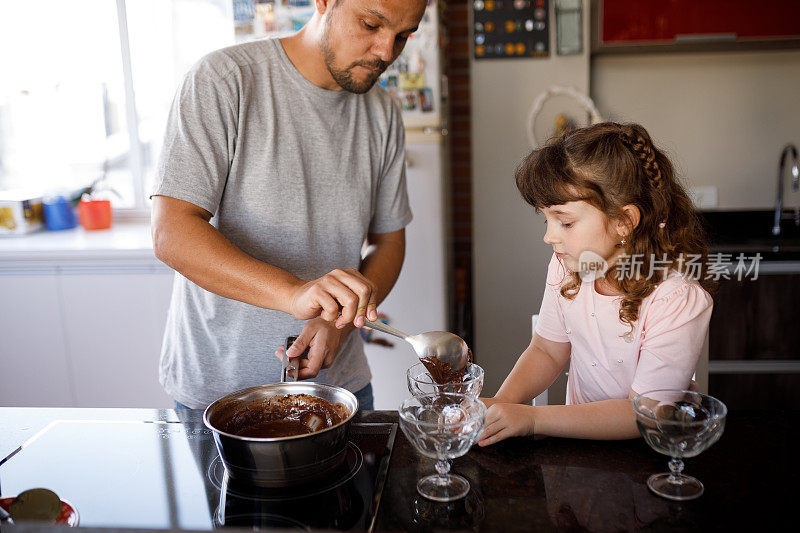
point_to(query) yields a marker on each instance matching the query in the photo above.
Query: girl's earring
(623, 242)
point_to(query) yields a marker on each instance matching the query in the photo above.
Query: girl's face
(577, 227)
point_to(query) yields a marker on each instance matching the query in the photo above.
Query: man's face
(362, 37)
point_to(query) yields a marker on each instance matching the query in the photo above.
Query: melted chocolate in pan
(285, 416)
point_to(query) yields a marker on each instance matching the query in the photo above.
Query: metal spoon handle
(5, 517)
(380, 326)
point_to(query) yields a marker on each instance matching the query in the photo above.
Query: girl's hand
(503, 420)
(488, 402)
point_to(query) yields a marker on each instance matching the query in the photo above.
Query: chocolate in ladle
(284, 416)
(442, 372)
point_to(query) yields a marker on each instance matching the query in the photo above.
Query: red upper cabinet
(672, 25)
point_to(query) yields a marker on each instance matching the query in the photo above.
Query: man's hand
(347, 291)
(186, 241)
(325, 341)
(503, 420)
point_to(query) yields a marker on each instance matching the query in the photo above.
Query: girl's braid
(642, 148)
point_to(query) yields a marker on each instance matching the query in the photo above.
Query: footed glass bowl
(678, 423)
(420, 381)
(442, 426)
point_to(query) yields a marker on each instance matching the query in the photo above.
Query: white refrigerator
(418, 301)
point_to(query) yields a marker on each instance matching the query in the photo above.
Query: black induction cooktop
(167, 475)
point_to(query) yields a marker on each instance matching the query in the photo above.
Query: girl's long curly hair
(612, 165)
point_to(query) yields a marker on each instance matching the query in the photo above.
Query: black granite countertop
(527, 484)
(523, 484)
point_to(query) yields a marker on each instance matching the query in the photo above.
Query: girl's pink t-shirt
(606, 361)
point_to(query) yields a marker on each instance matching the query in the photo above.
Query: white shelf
(124, 241)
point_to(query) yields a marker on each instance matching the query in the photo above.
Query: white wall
(723, 117)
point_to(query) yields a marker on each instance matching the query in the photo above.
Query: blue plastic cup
(58, 214)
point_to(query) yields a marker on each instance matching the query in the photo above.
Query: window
(86, 88)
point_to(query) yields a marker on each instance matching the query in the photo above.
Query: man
(280, 161)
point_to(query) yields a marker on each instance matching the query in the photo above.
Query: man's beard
(344, 77)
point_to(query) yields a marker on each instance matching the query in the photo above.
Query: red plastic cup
(95, 214)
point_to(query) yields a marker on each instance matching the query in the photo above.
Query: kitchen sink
(750, 232)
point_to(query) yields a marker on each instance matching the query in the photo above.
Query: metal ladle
(442, 345)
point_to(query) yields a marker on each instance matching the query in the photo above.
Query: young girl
(608, 195)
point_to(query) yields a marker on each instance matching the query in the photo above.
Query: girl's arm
(604, 420)
(535, 370)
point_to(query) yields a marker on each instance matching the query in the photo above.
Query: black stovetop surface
(520, 484)
(167, 475)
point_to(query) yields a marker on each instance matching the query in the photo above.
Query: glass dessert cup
(679, 424)
(419, 381)
(443, 427)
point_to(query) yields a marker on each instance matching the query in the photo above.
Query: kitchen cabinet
(115, 323)
(756, 319)
(633, 26)
(754, 342)
(85, 338)
(82, 319)
(33, 357)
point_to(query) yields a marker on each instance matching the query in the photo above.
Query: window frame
(141, 209)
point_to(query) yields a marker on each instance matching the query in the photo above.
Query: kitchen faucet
(788, 149)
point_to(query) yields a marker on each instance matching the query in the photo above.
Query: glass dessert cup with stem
(420, 381)
(442, 426)
(679, 424)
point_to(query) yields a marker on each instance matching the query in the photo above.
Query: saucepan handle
(287, 364)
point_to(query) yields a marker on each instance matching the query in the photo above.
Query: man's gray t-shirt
(295, 176)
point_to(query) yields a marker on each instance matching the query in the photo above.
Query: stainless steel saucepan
(280, 461)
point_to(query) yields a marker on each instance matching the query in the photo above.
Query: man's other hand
(325, 341)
